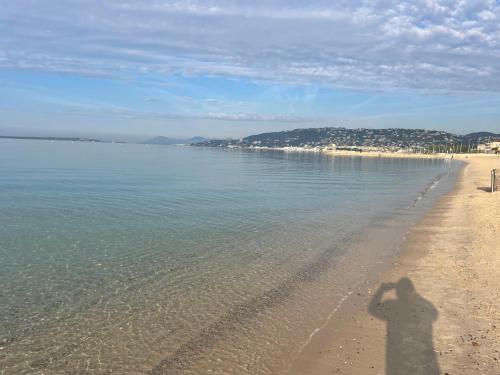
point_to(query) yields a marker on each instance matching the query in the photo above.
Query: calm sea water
(134, 259)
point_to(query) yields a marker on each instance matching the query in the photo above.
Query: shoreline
(376, 154)
(461, 286)
(370, 154)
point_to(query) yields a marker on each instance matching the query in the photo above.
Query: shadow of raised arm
(374, 307)
(409, 319)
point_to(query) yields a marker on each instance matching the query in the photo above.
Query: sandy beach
(436, 308)
(379, 154)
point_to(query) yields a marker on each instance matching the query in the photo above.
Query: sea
(141, 259)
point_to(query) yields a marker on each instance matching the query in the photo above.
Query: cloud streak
(444, 45)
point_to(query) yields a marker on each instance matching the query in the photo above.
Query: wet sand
(436, 308)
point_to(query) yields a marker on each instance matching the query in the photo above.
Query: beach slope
(436, 309)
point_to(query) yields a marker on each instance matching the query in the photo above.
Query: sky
(232, 68)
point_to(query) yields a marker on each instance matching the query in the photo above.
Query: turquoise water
(135, 259)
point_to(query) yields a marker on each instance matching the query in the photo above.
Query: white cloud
(486, 15)
(368, 44)
(255, 117)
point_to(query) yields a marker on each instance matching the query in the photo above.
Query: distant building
(482, 147)
(331, 147)
(490, 147)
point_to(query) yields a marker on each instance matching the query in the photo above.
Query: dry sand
(450, 322)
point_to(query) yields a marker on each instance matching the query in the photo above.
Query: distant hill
(171, 141)
(481, 136)
(321, 137)
(72, 139)
(195, 140)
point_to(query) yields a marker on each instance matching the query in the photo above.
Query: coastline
(375, 154)
(462, 286)
(366, 154)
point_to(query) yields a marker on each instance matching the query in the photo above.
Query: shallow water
(135, 259)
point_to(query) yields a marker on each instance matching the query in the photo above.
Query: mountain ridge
(359, 137)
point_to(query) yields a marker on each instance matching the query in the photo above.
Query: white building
(490, 147)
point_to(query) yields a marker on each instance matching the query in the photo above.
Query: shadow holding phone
(409, 317)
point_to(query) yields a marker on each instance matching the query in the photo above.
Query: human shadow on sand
(409, 317)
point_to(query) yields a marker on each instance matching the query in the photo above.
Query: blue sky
(233, 68)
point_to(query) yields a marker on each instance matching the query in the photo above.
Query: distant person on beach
(409, 345)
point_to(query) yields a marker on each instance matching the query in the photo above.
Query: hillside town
(363, 140)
